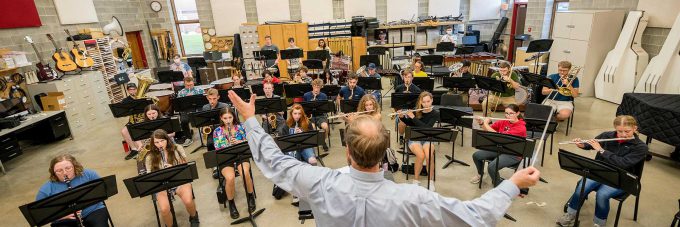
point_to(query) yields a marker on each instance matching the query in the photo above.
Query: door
(137, 46)
(519, 14)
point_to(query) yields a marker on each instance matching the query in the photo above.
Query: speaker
(113, 26)
(237, 50)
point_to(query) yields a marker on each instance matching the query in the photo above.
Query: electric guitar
(63, 61)
(80, 55)
(44, 71)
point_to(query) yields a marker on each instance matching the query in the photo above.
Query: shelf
(425, 47)
(13, 69)
(394, 45)
(435, 24)
(397, 26)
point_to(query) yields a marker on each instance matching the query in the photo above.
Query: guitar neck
(75, 44)
(54, 43)
(40, 58)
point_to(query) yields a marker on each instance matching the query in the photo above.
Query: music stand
(54, 207)
(243, 93)
(331, 90)
(143, 130)
(268, 54)
(312, 63)
(445, 47)
(537, 125)
(320, 55)
(491, 85)
(432, 60)
(162, 180)
(227, 157)
(206, 118)
(369, 83)
(259, 91)
(501, 144)
(463, 50)
(403, 100)
(270, 105)
(424, 83)
(318, 107)
(291, 53)
(303, 140)
(599, 171)
(296, 90)
(539, 46)
(349, 106)
(376, 50)
(189, 103)
(124, 109)
(454, 117)
(169, 76)
(371, 58)
(431, 135)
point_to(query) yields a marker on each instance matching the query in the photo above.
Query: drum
(522, 95)
(164, 98)
(158, 87)
(477, 96)
(222, 84)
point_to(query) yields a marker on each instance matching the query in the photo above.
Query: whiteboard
(440, 8)
(661, 13)
(402, 9)
(76, 11)
(316, 11)
(272, 10)
(227, 24)
(364, 8)
(485, 10)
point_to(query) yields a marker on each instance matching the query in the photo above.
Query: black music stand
(54, 207)
(371, 58)
(491, 85)
(303, 140)
(424, 83)
(291, 53)
(162, 180)
(226, 157)
(432, 135)
(243, 93)
(432, 60)
(463, 50)
(206, 118)
(539, 46)
(124, 109)
(369, 83)
(454, 117)
(143, 130)
(268, 54)
(445, 47)
(296, 90)
(537, 125)
(331, 90)
(501, 144)
(599, 171)
(318, 107)
(258, 89)
(170, 76)
(349, 106)
(312, 63)
(270, 105)
(403, 100)
(189, 103)
(320, 55)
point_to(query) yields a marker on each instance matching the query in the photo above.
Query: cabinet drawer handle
(9, 148)
(15, 154)
(6, 139)
(62, 124)
(571, 26)
(567, 51)
(57, 118)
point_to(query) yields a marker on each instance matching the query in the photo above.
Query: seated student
(372, 71)
(406, 87)
(351, 91)
(298, 123)
(563, 104)
(514, 125)
(297, 79)
(464, 72)
(238, 80)
(134, 150)
(268, 77)
(367, 103)
(164, 154)
(189, 89)
(303, 74)
(274, 125)
(66, 172)
(625, 154)
(319, 120)
(213, 97)
(231, 132)
(418, 69)
(329, 78)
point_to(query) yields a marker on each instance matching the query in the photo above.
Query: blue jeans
(604, 193)
(304, 155)
(377, 96)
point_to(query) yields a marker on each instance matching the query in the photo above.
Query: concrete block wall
(132, 14)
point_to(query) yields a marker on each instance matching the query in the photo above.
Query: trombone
(348, 114)
(407, 111)
(564, 89)
(598, 140)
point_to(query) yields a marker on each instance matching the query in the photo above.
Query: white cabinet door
(582, 24)
(579, 52)
(560, 49)
(562, 26)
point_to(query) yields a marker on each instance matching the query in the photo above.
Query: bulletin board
(485, 10)
(19, 14)
(364, 8)
(272, 10)
(227, 24)
(76, 11)
(316, 11)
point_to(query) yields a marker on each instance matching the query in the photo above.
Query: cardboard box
(53, 101)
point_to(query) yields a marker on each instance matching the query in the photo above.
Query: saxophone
(271, 118)
(206, 131)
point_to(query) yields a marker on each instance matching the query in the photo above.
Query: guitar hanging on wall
(63, 61)
(44, 71)
(80, 56)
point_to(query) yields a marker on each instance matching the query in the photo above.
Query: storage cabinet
(584, 37)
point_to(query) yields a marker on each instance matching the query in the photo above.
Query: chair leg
(618, 214)
(635, 212)
(552, 140)
(481, 176)
(543, 154)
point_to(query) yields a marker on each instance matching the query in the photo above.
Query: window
(186, 20)
(561, 6)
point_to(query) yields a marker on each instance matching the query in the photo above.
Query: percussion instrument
(522, 95)
(223, 84)
(481, 68)
(158, 87)
(163, 98)
(204, 87)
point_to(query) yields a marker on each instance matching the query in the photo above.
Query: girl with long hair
(422, 149)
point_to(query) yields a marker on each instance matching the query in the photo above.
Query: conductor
(360, 198)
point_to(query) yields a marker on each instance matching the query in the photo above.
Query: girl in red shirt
(514, 125)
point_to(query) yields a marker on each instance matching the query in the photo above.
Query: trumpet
(598, 140)
(408, 111)
(490, 118)
(348, 114)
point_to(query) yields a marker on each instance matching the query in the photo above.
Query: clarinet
(78, 215)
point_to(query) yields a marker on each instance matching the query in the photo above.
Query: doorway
(137, 46)
(519, 15)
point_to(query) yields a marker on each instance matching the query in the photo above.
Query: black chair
(676, 220)
(570, 121)
(535, 116)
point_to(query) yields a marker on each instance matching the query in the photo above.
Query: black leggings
(98, 218)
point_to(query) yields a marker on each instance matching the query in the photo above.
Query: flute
(491, 118)
(347, 114)
(406, 111)
(598, 140)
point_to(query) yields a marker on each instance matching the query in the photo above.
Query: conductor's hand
(526, 178)
(246, 109)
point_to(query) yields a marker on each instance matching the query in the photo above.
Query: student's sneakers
(475, 179)
(567, 220)
(296, 201)
(432, 186)
(416, 182)
(187, 142)
(132, 154)
(194, 220)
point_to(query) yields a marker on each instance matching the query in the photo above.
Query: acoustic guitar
(63, 61)
(44, 71)
(80, 56)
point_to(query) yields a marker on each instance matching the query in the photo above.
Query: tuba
(455, 69)
(362, 71)
(143, 83)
